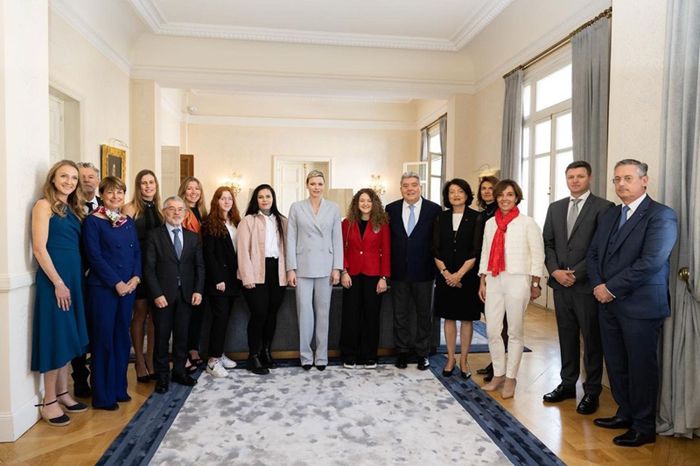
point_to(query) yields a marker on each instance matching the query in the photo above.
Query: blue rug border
(515, 440)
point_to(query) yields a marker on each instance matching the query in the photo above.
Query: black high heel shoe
(58, 421)
(446, 373)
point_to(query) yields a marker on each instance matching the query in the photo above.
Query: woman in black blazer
(457, 283)
(221, 285)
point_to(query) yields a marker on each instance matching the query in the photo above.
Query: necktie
(411, 219)
(90, 206)
(571, 218)
(177, 242)
(623, 216)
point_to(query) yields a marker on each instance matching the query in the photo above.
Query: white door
(56, 129)
(291, 176)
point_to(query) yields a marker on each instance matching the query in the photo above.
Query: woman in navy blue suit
(114, 257)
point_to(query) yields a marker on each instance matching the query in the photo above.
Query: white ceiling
(446, 25)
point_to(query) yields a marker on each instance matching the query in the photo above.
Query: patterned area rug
(340, 416)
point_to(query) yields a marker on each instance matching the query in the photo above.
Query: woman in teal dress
(59, 329)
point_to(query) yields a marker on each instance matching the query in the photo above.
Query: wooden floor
(571, 436)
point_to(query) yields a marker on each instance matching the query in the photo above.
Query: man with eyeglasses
(568, 230)
(174, 277)
(628, 265)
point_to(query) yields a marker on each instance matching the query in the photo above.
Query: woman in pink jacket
(262, 269)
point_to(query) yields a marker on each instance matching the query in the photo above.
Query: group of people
(117, 272)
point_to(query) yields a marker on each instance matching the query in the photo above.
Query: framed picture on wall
(113, 161)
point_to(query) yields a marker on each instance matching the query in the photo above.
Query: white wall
(356, 154)
(78, 69)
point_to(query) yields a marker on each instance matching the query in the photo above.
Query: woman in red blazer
(367, 264)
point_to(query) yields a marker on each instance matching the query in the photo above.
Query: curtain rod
(434, 122)
(550, 50)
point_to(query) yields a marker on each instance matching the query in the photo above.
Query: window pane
(560, 188)
(527, 90)
(563, 130)
(435, 189)
(525, 185)
(526, 142)
(543, 138)
(434, 144)
(540, 193)
(554, 88)
(435, 165)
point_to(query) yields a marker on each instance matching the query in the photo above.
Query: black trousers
(194, 332)
(220, 307)
(420, 295)
(264, 301)
(173, 319)
(359, 335)
(80, 371)
(577, 317)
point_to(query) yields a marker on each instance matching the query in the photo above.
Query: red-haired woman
(367, 264)
(221, 286)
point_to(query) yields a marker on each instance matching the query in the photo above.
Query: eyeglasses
(179, 210)
(626, 179)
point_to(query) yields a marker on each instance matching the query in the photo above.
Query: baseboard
(14, 424)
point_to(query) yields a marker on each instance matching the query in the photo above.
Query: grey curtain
(424, 144)
(443, 145)
(590, 66)
(679, 403)
(511, 135)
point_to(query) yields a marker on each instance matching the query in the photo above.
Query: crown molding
(149, 13)
(63, 9)
(340, 86)
(273, 122)
(475, 25)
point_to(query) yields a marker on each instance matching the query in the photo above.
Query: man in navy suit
(412, 269)
(628, 266)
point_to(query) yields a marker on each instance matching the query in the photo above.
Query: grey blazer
(562, 252)
(314, 242)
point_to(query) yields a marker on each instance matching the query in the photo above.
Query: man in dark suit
(412, 269)
(628, 266)
(174, 276)
(568, 230)
(89, 180)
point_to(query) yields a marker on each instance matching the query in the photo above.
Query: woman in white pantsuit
(512, 259)
(314, 260)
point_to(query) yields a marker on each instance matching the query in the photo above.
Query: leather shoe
(560, 393)
(588, 404)
(612, 423)
(161, 387)
(423, 364)
(401, 361)
(485, 370)
(306, 367)
(256, 366)
(632, 438)
(183, 379)
(321, 367)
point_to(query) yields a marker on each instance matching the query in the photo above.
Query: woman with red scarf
(512, 261)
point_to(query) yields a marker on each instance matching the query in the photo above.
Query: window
(547, 135)
(434, 156)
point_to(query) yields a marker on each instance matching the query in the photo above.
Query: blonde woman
(144, 208)
(59, 328)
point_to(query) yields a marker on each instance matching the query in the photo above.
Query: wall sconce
(235, 183)
(377, 185)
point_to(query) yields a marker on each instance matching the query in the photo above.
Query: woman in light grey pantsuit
(314, 261)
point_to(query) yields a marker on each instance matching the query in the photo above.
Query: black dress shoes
(256, 366)
(306, 367)
(124, 399)
(401, 361)
(161, 387)
(612, 423)
(560, 393)
(485, 370)
(632, 438)
(588, 404)
(266, 358)
(113, 407)
(423, 364)
(321, 367)
(184, 379)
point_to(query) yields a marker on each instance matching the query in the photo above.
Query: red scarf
(497, 257)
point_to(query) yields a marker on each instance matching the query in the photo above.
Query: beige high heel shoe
(508, 388)
(495, 384)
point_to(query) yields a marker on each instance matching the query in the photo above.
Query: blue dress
(59, 335)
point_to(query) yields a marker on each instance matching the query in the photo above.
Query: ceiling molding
(149, 13)
(476, 24)
(340, 86)
(62, 9)
(274, 122)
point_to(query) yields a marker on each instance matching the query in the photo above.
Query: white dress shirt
(406, 211)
